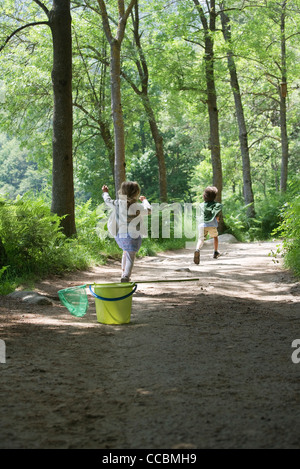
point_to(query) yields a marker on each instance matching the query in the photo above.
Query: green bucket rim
(110, 285)
(113, 284)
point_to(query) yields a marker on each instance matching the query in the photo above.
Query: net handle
(112, 299)
(188, 279)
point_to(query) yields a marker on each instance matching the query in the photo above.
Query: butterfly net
(75, 300)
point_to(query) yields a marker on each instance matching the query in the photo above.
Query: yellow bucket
(113, 302)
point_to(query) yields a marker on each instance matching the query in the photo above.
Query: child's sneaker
(216, 254)
(197, 256)
(125, 279)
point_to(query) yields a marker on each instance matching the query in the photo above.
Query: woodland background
(176, 95)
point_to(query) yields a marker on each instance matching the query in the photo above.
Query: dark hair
(210, 194)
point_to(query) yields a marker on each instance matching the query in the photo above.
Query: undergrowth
(32, 245)
(245, 229)
(289, 229)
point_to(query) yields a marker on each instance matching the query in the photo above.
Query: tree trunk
(103, 123)
(108, 141)
(209, 28)
(159, 149)
(62, 177)
(214, 139)
(142, 68)
(215, 149)
(284, 145)
(115, 73)
(117, 113)
(243, 134)
(98, 103)
(3, 256)
(283, 92)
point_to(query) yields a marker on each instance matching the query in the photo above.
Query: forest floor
(202, 364)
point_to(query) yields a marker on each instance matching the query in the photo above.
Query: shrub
(30, 235)
(289, 230)
(268, 214)
(33, 245)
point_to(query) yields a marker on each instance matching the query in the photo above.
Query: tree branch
(105, 21)
(98, 56)
(295, 34)
(123, 16)
(242, 7)
(195, 42)
(263, 138)
(87, 72)
(130, 6)
(43, 7)
(131, 83)
(87, 113)
(201, 13)
(20, 29)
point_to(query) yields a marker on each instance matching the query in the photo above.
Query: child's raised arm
(107, 199)
(145, 204)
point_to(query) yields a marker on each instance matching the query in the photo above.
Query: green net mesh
(75, 299)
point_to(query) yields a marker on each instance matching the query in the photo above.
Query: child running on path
(209, 211)
(126, 222)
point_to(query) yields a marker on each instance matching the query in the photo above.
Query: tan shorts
(211, 230)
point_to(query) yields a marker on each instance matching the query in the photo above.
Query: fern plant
(289, 229)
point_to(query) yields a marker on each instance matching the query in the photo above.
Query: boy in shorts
(209, 217)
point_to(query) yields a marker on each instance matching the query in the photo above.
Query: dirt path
(204, 364)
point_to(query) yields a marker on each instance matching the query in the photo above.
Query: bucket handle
(112, 299)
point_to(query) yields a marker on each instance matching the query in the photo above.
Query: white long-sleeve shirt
(123, 220)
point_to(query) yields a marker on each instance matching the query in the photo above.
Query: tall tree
(278, 19)
(90, 96)
(208, 20)
(283, 96)
(142, 68)
(62, 177)
(59, 21)
(243, 134)
(115, 43)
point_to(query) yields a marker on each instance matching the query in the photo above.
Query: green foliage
(150, 247)
(94, 245)
(144, 170)
(30, 235)
(33, 244)
(268, 212)
(289, 229)
(5, 285)
(172, 41)
(18, 175)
